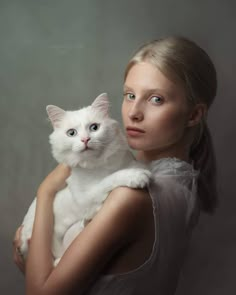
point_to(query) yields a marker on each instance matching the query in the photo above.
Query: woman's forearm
(39, 263)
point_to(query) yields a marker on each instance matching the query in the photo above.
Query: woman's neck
(148, 156)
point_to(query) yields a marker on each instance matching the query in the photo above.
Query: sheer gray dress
(175, 210)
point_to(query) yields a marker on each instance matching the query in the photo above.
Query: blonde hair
(183, 61)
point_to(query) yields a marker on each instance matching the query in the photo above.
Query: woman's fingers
(17, 255)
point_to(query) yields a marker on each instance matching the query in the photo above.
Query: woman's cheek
(169, 128)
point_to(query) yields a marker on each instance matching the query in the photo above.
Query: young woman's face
(155, 111)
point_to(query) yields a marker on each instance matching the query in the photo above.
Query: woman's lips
(133, 131)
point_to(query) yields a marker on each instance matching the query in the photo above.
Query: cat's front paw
(137, 178)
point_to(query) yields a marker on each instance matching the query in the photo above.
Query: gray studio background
(66, 53)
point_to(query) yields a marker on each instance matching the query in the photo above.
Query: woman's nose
(135, 112)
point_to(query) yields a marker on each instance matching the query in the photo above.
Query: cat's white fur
(98, 167)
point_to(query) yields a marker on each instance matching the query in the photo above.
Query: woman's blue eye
(94, 127)
(130, 96)
(71, 132)
(156, 99)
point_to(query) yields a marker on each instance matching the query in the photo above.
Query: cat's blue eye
(94, 127)
(156, 99)
(71, 132)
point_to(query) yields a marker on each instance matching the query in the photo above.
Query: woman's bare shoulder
(130, 203)
(129, 197)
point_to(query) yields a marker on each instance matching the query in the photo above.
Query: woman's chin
(135, 145)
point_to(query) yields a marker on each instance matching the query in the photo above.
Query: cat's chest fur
(85, 180)
(89, 182)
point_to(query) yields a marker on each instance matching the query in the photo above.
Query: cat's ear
(55, 114)
(101, 103)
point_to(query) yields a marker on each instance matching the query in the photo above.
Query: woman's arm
(39, 262)
(116, 224)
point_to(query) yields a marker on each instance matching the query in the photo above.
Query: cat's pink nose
(85, 140)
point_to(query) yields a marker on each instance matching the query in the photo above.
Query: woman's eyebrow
(127, 87)
(157, 90)
(150, 90)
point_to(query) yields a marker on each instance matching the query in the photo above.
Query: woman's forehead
(147, 76)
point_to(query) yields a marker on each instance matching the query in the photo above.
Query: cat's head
(84, 137)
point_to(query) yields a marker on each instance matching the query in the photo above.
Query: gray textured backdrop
(67, 52)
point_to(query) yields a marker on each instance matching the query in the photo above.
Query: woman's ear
(198, 112)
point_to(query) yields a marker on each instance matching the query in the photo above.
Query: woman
(137, 241)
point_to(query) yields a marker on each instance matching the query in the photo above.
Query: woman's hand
(17, 256)
(55, 181)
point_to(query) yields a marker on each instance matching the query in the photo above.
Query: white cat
(90, 142)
